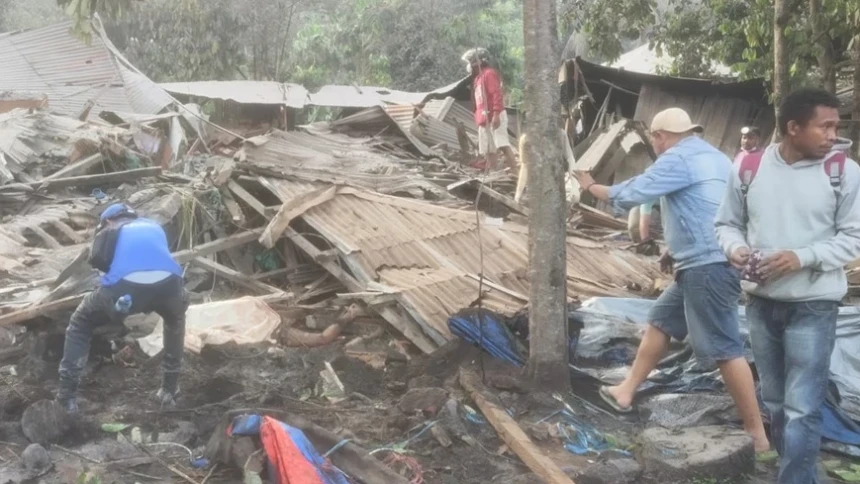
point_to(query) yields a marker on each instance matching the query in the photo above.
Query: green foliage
(739, 33)
(181, 40)
(407, 45)
(608, 24)
(81, 11)
(16, 15)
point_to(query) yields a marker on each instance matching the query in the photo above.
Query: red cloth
(290, 465)
(487, 89)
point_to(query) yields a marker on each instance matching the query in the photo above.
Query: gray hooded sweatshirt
(794, 207)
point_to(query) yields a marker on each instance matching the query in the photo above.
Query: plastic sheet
(488, 331)
(292, 458)
(837, 426)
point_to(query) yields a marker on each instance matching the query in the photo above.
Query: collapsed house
(369, 228)
(601, 97)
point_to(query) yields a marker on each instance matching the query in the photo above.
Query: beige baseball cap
(674, 120)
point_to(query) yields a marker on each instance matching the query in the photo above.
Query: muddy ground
(267, 376)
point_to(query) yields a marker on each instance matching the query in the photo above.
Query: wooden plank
(232, 207)
(38, 310)
(46, 237)
(76, 168)
(505, 200)
(591, 159)
(235, 240)
(511, 433)
(408, 328)
(90, 180)
(293, 208)
(234, 276)
(68, 231)
(246, 197)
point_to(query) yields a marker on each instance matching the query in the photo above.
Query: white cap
(674, 120)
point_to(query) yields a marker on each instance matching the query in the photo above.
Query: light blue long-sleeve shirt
(691, 177)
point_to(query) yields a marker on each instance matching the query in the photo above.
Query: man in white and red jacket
(490, 114)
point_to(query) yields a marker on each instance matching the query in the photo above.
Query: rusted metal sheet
(430, 256)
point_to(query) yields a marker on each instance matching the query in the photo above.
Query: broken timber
(512, 434)
(291, 209)
(88, 180)
(234, 276)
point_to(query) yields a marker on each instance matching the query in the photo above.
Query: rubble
(714, 452)
(44, 422)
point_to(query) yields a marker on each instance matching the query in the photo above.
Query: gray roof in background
(51, 60)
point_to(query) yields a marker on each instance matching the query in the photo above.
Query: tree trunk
(781, 83)
(548, 345)
(826, 55)
(855, 107)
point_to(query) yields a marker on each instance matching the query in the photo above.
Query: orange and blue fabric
(292, 458)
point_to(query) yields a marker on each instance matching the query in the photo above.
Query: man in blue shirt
(702, 302)
(140, 276)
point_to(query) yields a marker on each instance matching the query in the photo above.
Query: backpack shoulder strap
(747, 172)
(835, 167)
(749, 167)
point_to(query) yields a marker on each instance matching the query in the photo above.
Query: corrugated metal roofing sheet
(71, 73)
(430, 255)
(362, 97)
(399, 116)
(246, 92)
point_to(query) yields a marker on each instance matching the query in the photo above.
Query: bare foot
(621, 396)
(761, 444)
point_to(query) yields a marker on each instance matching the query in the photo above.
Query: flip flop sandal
(610, 400)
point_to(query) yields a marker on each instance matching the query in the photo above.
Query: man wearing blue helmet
(140, 276)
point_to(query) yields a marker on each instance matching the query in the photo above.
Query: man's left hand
(497, 121)
(584, 178)
(778, 265)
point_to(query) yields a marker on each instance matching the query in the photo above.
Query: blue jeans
(792, 343)
(703, 303)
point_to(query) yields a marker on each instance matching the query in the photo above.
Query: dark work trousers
(168, 298)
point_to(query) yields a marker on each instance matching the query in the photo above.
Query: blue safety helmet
(117, 210)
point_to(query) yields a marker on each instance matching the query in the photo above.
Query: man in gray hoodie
(797, 206)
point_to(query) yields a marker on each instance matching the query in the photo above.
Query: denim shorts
(702, 302)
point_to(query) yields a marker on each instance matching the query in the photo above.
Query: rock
(676, 411)
(715, 452)
(35, 458)
(185, 434)
(611, 471)
(424, 381)
(44, 422)
(423, 400)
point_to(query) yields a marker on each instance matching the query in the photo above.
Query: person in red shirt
(490, 114)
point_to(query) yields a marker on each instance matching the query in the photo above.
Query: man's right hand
(667, 263)
(740, 257)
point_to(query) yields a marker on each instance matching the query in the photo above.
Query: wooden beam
(234, 276)
(511, 433)
(246, 197)
(504, 200)
(293, 208)
(90, 180)
(38, 310)
(68, 231)
(235, 240)
(232, 207)
(76, 168)
(409, 329)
